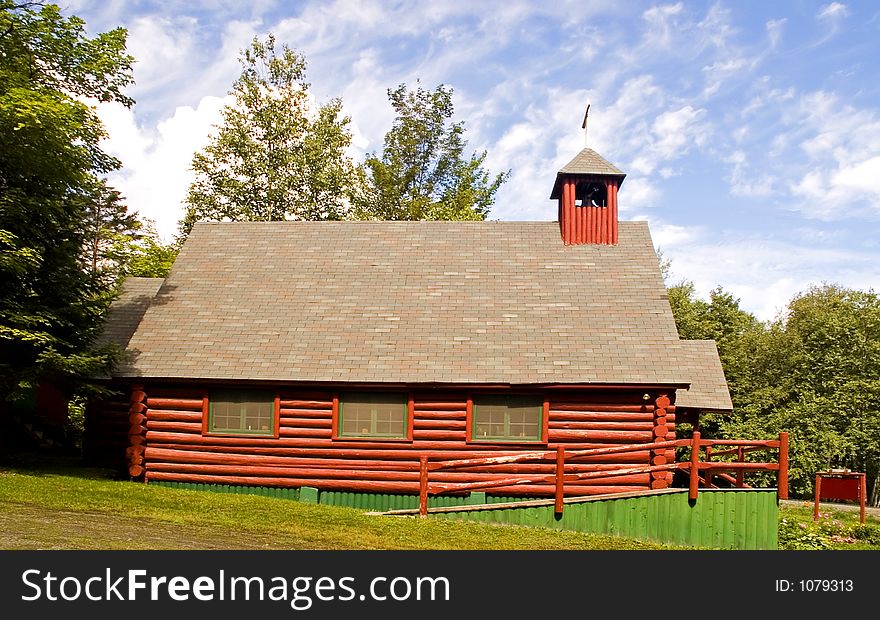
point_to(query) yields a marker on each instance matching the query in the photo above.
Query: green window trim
(242, 412)
(373, 415)
(508, 418)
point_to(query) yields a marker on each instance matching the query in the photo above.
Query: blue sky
(750, 131)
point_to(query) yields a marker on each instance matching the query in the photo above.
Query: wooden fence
(695, 468)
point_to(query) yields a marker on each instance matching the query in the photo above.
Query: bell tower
(586, 188)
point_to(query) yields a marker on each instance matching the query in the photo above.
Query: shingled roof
(128, 309)
(411, 302)
(587, 162)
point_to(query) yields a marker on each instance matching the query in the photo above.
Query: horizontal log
(316, 433)
(768, 443)
(137, 440)
(590, 416)
(727, 466)
(174, 416)
(174, 427)
(593, 408)
(440, 406)
(136, 430)
(307, 404)
(363, 450)
(421, 424)
(137, 408)
(192, 456)
(176, 392)
(137, 396)
(374, 486)
(609, 436)
(440, 415)
(323, 414)
(600, 426)
(319, 395)
(373, 474)
(135, 471)
(439, 435)
(185, 404)
(306, 423)
(136, 419)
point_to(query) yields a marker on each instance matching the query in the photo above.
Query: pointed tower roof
(587, 162)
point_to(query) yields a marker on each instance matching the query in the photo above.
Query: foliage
(109, 229)
(422, 173)
(814, 372)
(147, 256)
(51, 164)
(276, 156)
(835, 529)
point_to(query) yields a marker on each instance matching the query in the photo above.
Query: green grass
(835, 529)
(78, 508)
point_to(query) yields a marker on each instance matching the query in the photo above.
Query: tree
(147, 256)
(109, 229)
(276, 156)
(50, 169)
(422, 173)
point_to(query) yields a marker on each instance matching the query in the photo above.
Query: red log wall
(304, 454)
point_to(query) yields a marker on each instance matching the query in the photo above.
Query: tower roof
(587, 162)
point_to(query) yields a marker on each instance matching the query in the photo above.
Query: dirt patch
(23, 526)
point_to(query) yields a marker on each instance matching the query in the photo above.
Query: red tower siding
(587, 224)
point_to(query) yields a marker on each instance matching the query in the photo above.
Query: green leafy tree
(147, 256)
(276, 155)
(422, 173)
(51, 164)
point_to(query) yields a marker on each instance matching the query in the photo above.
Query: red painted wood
(176, 416)
(545, 421)
(840, 488)
(817, 490)
(206, 408)
(469, 418)
(276, 414)
(693, 487)
(410, 416)
(560, 480)
(423, 486)
(863, 497)
(614, 217)
(306, 404)
(335, 415)
(184, 404)
(307, 423)
(599, 426)
(782, 478)
(560, 405)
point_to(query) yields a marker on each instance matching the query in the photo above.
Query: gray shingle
(411, 302)
(128, 309)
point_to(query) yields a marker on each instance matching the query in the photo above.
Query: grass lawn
(835, 529)
(77, 508)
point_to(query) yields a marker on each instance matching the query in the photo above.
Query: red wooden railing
(693, 467)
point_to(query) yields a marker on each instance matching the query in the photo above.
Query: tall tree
(423, 173)
(109, 229)
(277, 155)
(146, 256)
(51, 164)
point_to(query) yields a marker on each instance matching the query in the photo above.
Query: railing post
(695, 466)
(863, 496)
(740, 475)
(560, 478)
(423, 486)
(818, 491)
(782, 477)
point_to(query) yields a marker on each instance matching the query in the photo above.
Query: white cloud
(833, 11)
(774, 30)
(156, 163)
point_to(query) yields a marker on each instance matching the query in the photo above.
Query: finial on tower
(584, 124)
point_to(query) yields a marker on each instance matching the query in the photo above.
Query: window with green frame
(373, 414)
(507, 417)
(241, 411)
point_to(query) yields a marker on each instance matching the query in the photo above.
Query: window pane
(507, 417)
(373, 414)
(242, 412)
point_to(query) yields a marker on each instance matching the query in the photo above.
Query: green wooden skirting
(366, 501)
(720, 519)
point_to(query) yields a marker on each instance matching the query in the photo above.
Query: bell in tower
(586, 188)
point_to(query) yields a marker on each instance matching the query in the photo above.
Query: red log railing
(693, 467)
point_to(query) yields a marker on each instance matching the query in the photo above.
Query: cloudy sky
(749, 131)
